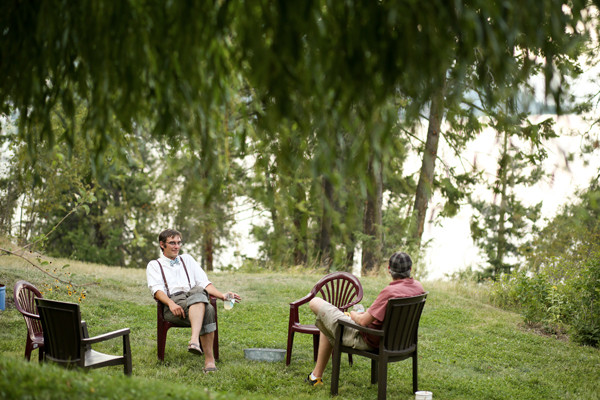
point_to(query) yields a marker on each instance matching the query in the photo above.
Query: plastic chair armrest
(106, 336)
(303, 300)
(376, 332)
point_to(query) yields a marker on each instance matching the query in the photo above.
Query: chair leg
(374, 368)
(290, 342)
(216, 345)
(213, 302)
(41, 354)
(127, 354)
(415, 373)
(161, 341)
(316, 339)
(336, 361)
(28, 348)
(382, 385)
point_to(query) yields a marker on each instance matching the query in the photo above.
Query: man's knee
(315, 304)
(197, 307)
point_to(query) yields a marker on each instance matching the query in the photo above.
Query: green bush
(584, 305)
(563, 295)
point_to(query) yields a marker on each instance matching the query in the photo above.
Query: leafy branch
(83, 199)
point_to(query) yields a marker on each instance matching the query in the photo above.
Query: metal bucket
(261, 354)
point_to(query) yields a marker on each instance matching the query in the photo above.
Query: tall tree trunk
(426, 177)
(208, 249)
(371, 251)
(270, 187)
(349, 264)
(325, 255)
(503, 181)
(300, 227)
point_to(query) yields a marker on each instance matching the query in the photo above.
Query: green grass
(467, 349)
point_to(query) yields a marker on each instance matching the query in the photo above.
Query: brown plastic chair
(341, 289)
(398, 342)
(65, 342)
(162, 326)
(24, 294)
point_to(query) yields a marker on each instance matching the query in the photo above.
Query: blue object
(2, 296)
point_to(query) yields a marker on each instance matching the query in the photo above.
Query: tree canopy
(175, 63)
(319, 94)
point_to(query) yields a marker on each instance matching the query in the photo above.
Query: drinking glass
(358, 308)
(229, 301)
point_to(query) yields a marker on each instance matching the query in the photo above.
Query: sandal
(194, 348)
(207, 370)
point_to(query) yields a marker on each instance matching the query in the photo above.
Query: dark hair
(167, 233)
(400, 275)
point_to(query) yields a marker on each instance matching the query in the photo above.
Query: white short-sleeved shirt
(175, 275)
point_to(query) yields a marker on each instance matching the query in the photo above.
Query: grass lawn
(467, 349)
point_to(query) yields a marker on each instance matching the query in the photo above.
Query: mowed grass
(467, 349)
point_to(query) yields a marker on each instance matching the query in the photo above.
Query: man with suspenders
(178, 281)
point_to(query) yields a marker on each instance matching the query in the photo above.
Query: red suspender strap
(186, 273)
(164, 278)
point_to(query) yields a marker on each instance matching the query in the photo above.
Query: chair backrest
(62, 330)
(341, 289)
(401, 323)
(24, 296)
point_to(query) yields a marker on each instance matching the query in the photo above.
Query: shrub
(563, 294)
(584, 304)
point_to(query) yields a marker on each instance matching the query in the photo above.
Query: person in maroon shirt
(402, 285)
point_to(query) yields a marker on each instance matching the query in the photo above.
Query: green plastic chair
(65, 342)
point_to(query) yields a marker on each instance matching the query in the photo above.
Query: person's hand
(177, 310)
(235, 296)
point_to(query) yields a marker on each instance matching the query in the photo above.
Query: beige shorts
(185, 300)
(327, 319)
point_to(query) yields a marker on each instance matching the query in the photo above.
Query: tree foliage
(172, 62)
(308, 88)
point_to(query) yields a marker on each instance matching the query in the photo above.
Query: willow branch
(44, 271)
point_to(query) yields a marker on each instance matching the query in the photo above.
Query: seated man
(402, 285)
(182, 286)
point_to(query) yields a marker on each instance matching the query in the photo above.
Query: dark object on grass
(65, 340)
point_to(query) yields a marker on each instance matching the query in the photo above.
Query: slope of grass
(467, 349)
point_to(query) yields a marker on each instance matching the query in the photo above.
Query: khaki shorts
(327, 319)
(185, 300)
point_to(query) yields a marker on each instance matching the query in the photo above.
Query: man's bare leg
(207, 344)
(323, 356)
(196, 316)
(325, 348)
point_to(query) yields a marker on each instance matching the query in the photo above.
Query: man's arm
(212, 290)
(362, 318)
